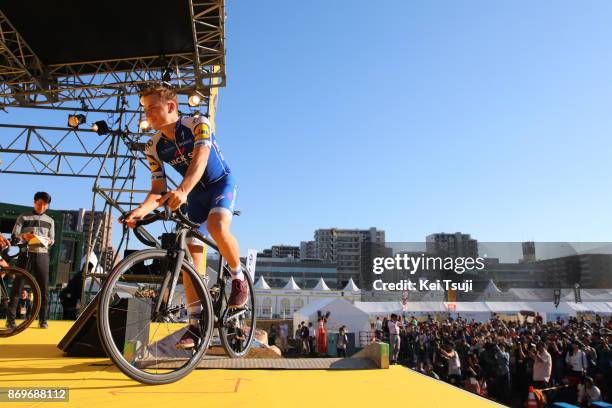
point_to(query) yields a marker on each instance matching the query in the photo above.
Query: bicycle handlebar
(177, 216)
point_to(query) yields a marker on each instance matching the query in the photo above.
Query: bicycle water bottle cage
(168, 241)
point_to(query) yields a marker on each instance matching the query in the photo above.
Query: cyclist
(208, 188)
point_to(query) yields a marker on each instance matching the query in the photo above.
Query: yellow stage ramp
(31, 359)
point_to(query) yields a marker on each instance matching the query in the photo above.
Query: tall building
(344, 247)
(308, 250)
(281, 251)
(452, 245)
(285, 251)
(592, 271)
(529, 252)
(81, 220)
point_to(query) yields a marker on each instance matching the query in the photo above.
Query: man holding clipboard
(37, 230)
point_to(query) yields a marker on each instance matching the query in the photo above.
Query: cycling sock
(237, 274)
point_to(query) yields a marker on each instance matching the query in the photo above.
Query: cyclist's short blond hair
(164, 93)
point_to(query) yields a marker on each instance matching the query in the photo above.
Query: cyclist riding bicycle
(208, 188)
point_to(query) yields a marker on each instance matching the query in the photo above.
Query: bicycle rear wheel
(143, 343)
(27, 306)
(237, 328)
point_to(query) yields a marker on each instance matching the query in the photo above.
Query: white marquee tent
(342, 313)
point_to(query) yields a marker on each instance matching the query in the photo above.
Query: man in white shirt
(284, 333)
(542, 366)
(394, 338)
(311, 338)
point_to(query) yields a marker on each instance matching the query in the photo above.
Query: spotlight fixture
(75, 120)
(195, 98)
(100, 127)
(143, 124)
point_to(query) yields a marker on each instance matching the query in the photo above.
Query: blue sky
(490, 118)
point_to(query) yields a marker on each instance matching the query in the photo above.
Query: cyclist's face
(159, 113)
(40, 206)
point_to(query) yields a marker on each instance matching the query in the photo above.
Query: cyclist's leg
(219, 221)
(219, 228)
(197, 205)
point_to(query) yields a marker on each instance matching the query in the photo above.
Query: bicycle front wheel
(237, 328)
(144, 341)
(19, 300)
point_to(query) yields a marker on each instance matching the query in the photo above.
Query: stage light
(100, 127)
(143, 124)
(75, 120)
(194, 99)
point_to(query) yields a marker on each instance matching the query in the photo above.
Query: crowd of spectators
(568, 361)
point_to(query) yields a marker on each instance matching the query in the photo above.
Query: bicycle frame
(172, 278)
(181, 247)
(220, 281)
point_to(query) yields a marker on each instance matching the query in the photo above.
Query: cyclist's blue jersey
(189, 133)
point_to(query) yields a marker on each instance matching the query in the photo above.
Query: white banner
(250, 262)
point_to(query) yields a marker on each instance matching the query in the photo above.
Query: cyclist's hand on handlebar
(174, 199)
(131, 217)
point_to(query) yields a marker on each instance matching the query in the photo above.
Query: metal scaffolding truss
(39, 150)
(39, 72)
(26, 79)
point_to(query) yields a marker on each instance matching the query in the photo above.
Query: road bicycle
(146, 291)
(17, 280)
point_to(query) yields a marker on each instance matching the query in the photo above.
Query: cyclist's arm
(196, 168)
(151, 201)
(158, 178)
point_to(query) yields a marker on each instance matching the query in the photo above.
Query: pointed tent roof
(261, 284)
(351, 287)
(321, 285)
(491, 288)
(291, 285)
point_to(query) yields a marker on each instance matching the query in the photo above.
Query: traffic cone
(532, 402)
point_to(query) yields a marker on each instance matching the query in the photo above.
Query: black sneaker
(240, 293)
(43, 325)
(190, 338)
(10, 325)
